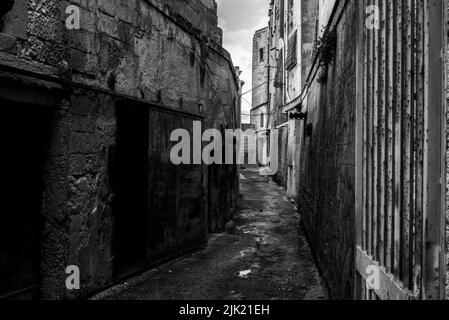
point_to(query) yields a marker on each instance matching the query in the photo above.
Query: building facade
(260, 93)
(326, 188)
(365, 157)
(259, 110)
(89, 109)
(290, 43)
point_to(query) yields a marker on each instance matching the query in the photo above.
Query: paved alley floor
(263, 256)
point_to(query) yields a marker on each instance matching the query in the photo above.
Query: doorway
(131, 188)
(25, 133)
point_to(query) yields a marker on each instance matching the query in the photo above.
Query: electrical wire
(251, 90)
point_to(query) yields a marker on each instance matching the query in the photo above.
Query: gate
(158, 206)
(400, 207)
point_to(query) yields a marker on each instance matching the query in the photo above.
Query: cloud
(239, 20)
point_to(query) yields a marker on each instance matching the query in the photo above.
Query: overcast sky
(239, 19)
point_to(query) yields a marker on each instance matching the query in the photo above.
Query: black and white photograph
(234, 157)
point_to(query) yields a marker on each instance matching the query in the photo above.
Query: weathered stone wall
(293, 29)
(281, 175)
(308, 24)
(260, 77)
(446, 61)
(259, 117)
(300, 23)
(326, 192)
(162, 55)
(247, 147)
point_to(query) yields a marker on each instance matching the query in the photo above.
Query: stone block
(84, 143)
(108, 25)
(6, 42)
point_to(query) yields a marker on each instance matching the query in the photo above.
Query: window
(290, 16)
(279, 76)
(261, 54)
(262, 120)
(291, 59)
(281, 19)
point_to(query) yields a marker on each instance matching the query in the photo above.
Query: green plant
(326, 51)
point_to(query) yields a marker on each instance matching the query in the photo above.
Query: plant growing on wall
(326, 51)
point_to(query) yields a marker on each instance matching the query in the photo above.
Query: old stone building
(372, 151)
(318, 175)
(326, 189)
(260, 93)
(277, 118)
(366, 141)
(87, 118)
(290, 41)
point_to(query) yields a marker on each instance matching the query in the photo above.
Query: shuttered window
(292, 59)
(279, 78)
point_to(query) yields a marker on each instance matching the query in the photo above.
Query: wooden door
(400, 210)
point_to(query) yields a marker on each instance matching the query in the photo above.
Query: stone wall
(260, 77)
(327, 180)
(292, 33)
(446, 60)
(157, 62)
(281, 175)
(299, 27)
(308, 25)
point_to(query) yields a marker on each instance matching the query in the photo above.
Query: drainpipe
(284, 78)
(268, 79)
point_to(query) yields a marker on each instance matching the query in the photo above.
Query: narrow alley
(224, 150)
(262, 256)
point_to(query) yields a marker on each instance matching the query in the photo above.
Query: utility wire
(267, 114)
(251, 90)
(247, 101)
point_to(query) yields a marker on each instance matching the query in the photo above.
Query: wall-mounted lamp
(298, 116)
